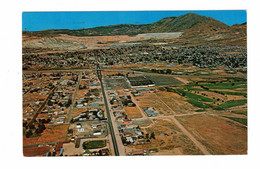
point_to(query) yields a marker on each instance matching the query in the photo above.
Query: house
(128, 121)
(70, 132)
(79, 105)
(129, 139)
(142, 152)
(97, 133)
(151, 113)
(60, 121)
(81, 129)
(79, 125)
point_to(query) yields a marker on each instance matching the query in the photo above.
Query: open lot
(133, 112)
(57, 133)
(35, 151)
(168, 140)
(175, 102)
(116, 83)
(217, 134)
(151, 100)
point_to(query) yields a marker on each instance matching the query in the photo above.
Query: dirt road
(186, 132)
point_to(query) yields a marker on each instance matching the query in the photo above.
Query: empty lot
(217, 134)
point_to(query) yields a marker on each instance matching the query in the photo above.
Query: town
(147, 92)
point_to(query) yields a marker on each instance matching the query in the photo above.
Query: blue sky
(35, 21)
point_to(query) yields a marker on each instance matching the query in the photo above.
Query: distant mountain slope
(169, 24)
(197, 29)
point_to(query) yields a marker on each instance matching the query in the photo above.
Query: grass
(228, 85)
(240, 120)
(198, 104)
(231, 103)
(244, 112)
(233, 93)
(87, 152)
(189, 87)
(194, 89)
(193, 96)
(94, 144)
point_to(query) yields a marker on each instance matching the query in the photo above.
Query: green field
(240, 120)
(193, 96)
(228, 85)
(232, 103)
(164, 80)
(194, 89)
(233, 93)
(94, 144)
(244, 112)
(197, 104)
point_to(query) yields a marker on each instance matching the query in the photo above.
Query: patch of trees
(32, 130)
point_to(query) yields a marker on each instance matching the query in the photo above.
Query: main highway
(110, 125)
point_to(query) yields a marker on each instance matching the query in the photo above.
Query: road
(195, 141)
(185, 131)
(121, 147)
(110, 125)
(73, 99)
(135, 71)
(42, 106)
(137, 105)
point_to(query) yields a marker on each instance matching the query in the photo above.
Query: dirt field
(81, 93)
(151, 100)
(50, 134)
(35, 151)
(75, 112)
(217, 134)
(54, 134)
(183, 80)
(133, 112)
(175, 102)
(168, 140)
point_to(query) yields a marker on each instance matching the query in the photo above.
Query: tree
(24, 124)
(100, 153)
(28, 133)
(168, 71)
(147, 135)
(40, 129)
(161, 71)
(31, 127)
(152, 135)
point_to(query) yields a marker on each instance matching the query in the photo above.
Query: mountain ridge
(168, 24)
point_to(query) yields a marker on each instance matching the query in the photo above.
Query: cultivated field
(164, 80)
